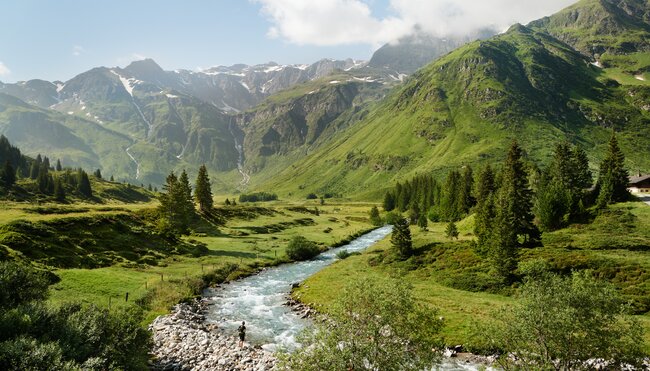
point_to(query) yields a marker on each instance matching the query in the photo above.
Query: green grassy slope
(467, 106)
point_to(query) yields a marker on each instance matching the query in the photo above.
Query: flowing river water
(259, 300)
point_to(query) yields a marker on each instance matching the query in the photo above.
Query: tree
(8, 175)
(451, 231)
(375, 219)
(59, 190)
(401, 238)
(613, 177)
(227, 202)
(517, 194)
(58, 165)
(98, 174)
(563, 322)
(485, 211)
(112, 179)
(449, 205)
(300, 248)
(423, 222)
(552, 205)
(203, 192)
(414, 213)
(83, 184)
(389, 201)
(465, 198)
(176, 202)
(374, 324)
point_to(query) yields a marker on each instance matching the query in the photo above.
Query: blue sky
(55, 40)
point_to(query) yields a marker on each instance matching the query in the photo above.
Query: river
(259, 300)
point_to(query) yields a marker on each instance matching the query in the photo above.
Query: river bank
(183, 340)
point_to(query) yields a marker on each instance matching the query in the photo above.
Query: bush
(312, 196)
(344, 254)
(301, 248)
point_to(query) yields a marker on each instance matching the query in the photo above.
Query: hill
(465, 107)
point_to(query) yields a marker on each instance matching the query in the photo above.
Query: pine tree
(613, 178)
(451, 231)
(449, 205)
(502, 249)
(517, 193)
(42, 179)
(59, 190)
(46, 162)
(227, 202)
(389, 201)
(401, 238)
(58, 165)
(465, 198)
(414, 213)
(98, 174)
(203, 192)
(185, 197)
(112, 179)
(423, 223)
(8, 175)
(83, 184)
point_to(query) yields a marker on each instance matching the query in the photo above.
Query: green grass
(450, 276)
(232, 242)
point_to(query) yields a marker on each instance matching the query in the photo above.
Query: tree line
(41, 171)
(512, 204)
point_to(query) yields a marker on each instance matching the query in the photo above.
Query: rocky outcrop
(184, 341)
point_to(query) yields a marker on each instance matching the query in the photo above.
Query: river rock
(182, 341)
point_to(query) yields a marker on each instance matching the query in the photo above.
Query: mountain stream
(259, 300)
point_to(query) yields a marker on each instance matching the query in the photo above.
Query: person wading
(242, 333)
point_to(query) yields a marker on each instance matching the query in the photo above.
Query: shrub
(301, 248)
(312, 196)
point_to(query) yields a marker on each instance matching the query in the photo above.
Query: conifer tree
(401, 238)
(98, 174)
(42, 179)
(451, 231)
(613, 177)
(46, 162)
(112, 179)
(485, 210)
(203, 192)
(59, 190)
(466, 200)
(423, 223)
(227, 202)
(517, 194)
(8, 175)
(58, 165)
(449, 205)
(83, 184)
(185, 196)
(414, 213)
(389, 201)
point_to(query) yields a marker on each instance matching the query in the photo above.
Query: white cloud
(4, 70)
(77, 50)
(338, 22)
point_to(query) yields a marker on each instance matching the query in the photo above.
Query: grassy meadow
(450, 276)
(239, 241)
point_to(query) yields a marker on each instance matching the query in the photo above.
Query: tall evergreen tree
(449, 205)
(465, 198)
(389, 201)
(58, 165)
(8, 175)
(83, 184)
(515, 191)
(98, 174)
(375, 218)
(203, 192)
(613, 177)
(401, 238)
(59, 190)
(485, 210)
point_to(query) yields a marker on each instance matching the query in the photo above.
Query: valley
(477, 193)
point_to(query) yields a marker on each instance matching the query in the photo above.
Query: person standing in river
(242, 333)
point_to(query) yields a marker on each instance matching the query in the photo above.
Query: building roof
(638, 178)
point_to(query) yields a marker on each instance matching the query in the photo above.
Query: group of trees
(177, 203)
(257, 197)
(37, 336)
(424, 197)
(513, 205)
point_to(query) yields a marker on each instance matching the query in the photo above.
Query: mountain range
(352, 127)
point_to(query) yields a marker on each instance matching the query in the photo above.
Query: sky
(56, 40)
